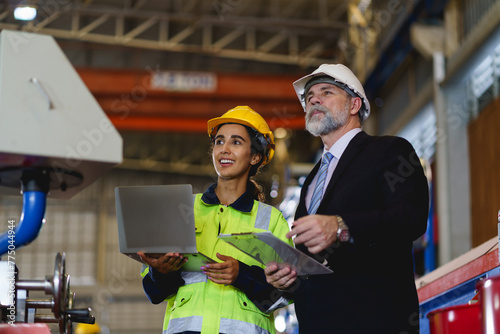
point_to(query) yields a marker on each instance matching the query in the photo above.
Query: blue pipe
(30, 224)
(430, 248)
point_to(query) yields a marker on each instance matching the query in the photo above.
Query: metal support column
(442, 162)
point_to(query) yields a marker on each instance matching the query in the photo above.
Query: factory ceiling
(291, 36)
(299, 32)
(245, 52)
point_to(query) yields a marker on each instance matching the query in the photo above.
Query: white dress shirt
(336, 150)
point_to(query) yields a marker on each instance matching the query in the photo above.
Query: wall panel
(484, 144)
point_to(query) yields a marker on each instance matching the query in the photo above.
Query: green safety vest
(201, 305)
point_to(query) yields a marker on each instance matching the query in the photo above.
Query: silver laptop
(156, 220)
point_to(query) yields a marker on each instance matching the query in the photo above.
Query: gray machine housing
(49, 120)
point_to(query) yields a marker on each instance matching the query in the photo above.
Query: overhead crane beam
(133, 104)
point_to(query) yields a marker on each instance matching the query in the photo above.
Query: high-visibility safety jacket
(196, 304)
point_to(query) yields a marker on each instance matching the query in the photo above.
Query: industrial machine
(54, 141)
(60, 303)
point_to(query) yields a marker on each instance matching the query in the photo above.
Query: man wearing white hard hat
(360, 210)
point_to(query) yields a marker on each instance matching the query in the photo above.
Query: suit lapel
(353, 148)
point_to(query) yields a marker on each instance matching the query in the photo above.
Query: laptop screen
(155, 219)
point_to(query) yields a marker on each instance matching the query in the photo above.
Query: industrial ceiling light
(25, 13)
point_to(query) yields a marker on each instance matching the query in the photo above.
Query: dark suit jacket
(381, 192)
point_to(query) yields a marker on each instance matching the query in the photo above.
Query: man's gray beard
(328, 123)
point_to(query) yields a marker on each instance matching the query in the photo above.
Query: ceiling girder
(243, 33)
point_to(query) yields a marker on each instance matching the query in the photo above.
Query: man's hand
(224, 272)
(316, 232)
(166, 263)
(280, 278)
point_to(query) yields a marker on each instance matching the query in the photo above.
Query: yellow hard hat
(83, 328)
(245, 115)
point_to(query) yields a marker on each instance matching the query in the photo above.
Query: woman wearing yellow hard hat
(232, 295)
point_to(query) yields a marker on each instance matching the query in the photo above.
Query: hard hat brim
(214, 124)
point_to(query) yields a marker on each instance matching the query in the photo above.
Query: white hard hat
(343, 77)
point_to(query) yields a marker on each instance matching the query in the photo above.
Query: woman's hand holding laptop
(165, 263)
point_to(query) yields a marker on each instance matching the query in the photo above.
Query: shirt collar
(340, 145)
(244, 203)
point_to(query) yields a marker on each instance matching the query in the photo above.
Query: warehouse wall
(484, 173)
